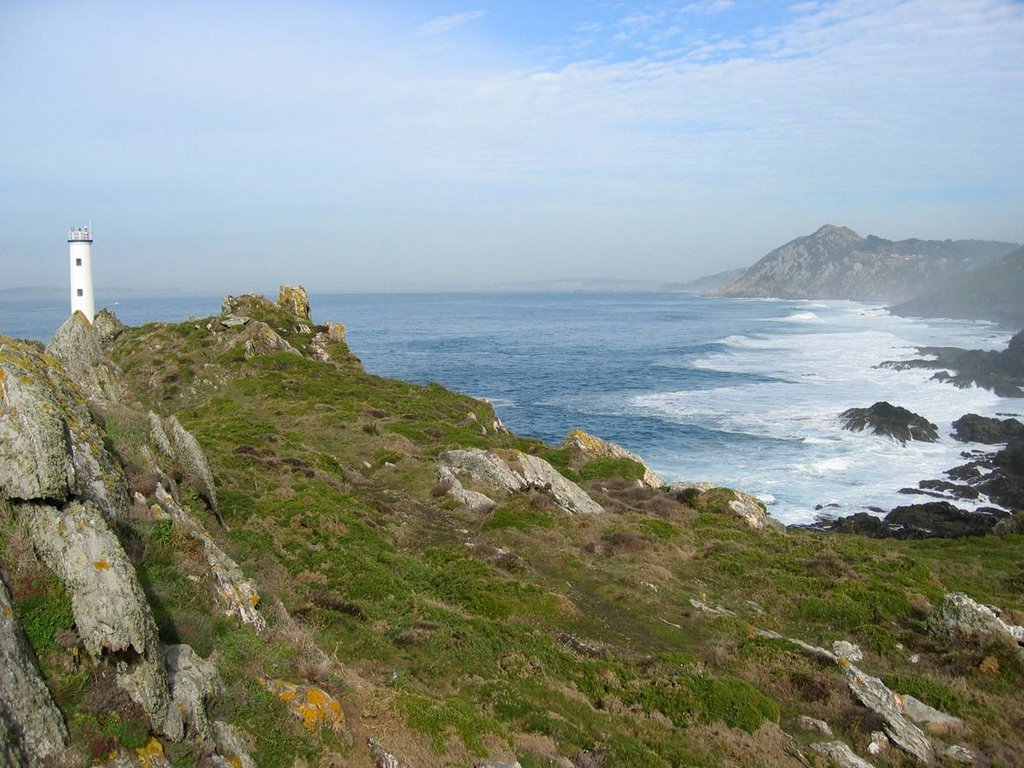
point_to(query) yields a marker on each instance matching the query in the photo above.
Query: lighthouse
(80, 245)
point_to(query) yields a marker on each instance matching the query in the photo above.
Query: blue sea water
(745, 393)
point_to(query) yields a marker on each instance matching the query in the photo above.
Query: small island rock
(884, 418)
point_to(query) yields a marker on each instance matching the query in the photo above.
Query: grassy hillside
(623, 639)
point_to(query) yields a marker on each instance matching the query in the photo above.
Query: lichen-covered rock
(107, 326)
(231, 746)
(192, 462)
(191, 680)
(814, 725)
(111, 614)
(843, 649)
(233, 321)
(541, 475)
(77, 346)
(50, 446)
(34, 727)
(876, 696)
(959, 754)
(584, 447)
(244, 304)
(236, 593)
(519, 472)
(752, 512)
(158, 436)
(260, 339)
(485, 467)
(840, 754)
(332, 333)
(294, 299)
(312, 705)
(474, 501)
(149, 756)
(957, 616)
(11, 753)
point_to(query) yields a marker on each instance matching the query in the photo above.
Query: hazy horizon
(397, 146)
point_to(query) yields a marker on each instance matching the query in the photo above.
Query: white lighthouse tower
(80, 241)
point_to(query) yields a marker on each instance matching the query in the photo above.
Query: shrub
(611, 467)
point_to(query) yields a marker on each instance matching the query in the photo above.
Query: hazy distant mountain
(837, 263)
(706, 284)
(993, 291)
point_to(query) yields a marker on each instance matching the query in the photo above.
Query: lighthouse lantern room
(80, 242)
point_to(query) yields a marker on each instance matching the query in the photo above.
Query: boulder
(883, 418)
(332, 333)
(584, 447)
(381, 757)
(50, 446)
(244, 305)
(234, 321)
(34, 726)
(847, 650)
(873, 694)
(312, 705)
(518, 473)
(1010, 526)
(959, 754)
(192, 462)
(295, 300)
(936, 722)
(260, 339)
(840, 754)
(958, 617)
(973, 428)
(483, 466)
(236, 593)
(77, 346)
(111, 613)
(107, 326)
(814, 725)
(752, 512)
(471, 500)
(541, 475)
(231, 745)
(149, 756)
(192, 681)
(158, 436)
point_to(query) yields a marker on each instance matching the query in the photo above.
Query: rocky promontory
(223, 542)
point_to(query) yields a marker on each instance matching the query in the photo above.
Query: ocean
(744, 393)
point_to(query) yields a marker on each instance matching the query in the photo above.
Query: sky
(350, 146)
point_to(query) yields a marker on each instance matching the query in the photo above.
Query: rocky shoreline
(995, 476)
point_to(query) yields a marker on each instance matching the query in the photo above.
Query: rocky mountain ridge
(836, 263)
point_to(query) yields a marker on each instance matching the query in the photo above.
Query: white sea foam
(800, 456)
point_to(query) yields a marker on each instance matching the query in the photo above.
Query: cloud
(442, 24)
(708, 6)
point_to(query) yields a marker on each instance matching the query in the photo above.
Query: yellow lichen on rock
(313, 706)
